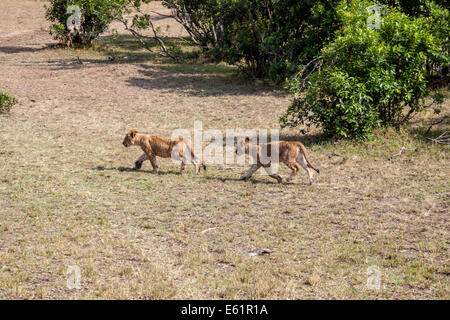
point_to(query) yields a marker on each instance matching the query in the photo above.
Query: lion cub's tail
(303, 151)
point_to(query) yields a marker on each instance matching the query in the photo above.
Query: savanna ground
(67, 196)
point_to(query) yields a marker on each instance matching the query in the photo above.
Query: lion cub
(291, 153)
(162, 147)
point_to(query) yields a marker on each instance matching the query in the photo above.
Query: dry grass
(64, 201)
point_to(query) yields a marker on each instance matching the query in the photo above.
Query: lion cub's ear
(132, 133)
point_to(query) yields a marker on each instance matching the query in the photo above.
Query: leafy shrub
(270, 37)
(95, 18)
(6, 102)
(439, 19)
(368, 77)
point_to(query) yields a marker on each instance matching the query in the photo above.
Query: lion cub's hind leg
(154, 163)
(182, 157)
(273, 174)
(196, 163)
(302, 161)
(185, 155)
(295, 169)
(183, 165)
(189, 156)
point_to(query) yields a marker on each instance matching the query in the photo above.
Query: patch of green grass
(6, 102)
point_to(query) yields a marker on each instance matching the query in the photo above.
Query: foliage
(368, 77)
(415, 8)
(271, 37)
(135, 20)
(95, 18)
(6, 102)
(96, 15)
(439, 19)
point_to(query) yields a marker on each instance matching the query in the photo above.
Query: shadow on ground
(200, 80)
(16, 49)
(127, 49)
(435, 128)
(129, 169)
(252, 180)
(186, 75)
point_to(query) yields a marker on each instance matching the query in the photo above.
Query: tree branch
(442, 139)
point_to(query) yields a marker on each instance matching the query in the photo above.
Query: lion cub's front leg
(144, 157)
(273, 174)
(251, 171)
(154, 163)
(139, 161)
(268, 169)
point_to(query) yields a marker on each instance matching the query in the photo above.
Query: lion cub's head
(129, 139)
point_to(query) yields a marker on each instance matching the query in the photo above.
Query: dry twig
(398, 153)
(442, 139)
(314, 65)
(435, 123)
(260, 251)
(142, 37)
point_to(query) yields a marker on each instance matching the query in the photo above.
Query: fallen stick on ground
(398, 153)
(260, 251)
(209, 229)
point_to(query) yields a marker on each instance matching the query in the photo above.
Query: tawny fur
(291, 153)
(163, 147)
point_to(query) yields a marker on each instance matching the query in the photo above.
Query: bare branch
(315, 64)
(155, 34)
(161, 14)
(142, 37)
(135, 34)
(442, 139)
(435, 123)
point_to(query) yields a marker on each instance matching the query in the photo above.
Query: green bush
(6, 102)
(267, 38)
(272, 38)
(368, 77)
(95, 18)
(439, 19)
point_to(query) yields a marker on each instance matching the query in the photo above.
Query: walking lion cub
(163, 147)
(291, 153)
